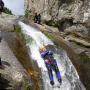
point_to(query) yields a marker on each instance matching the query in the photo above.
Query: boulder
(7, 22)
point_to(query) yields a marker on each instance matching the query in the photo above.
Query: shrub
(7, 11)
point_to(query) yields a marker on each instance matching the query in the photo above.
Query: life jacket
(48, 57)
(49, 61)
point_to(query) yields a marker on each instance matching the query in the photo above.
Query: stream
(70, 78)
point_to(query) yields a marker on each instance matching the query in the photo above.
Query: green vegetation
(28, 39)
(50, 36)
(17, 29)
(84, 58)
(7, 11)
(19, 32)
(29, 15)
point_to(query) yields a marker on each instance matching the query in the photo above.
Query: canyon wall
(78, 10)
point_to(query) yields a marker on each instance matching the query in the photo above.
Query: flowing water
(70, 78)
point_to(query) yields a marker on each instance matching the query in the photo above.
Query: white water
(70, 78)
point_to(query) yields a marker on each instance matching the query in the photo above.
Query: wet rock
(13, 74)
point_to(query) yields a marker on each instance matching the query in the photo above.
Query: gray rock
(7, 22)
(79, 10)
(13, 73)
(77, 28)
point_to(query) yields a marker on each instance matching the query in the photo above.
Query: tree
(7, 11)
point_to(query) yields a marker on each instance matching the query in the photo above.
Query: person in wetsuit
(39, 19)
(51, 64)
(36, 18)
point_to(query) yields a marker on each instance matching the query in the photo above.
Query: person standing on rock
(1, 6)
(0, 63)
(36, 18)
(39, 19)
(0, 39)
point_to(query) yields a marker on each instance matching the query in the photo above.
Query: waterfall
(70, 77)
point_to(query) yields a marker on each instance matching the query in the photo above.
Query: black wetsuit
(36, 18)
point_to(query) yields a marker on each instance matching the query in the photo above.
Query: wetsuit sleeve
(43, 54)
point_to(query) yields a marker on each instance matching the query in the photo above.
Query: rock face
(77, 28)
(7, 22)
(66, 14)
(79, 10)
(71, 17)
(12, 76)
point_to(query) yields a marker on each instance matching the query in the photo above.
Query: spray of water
(35, 34)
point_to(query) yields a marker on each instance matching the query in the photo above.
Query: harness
(49, 59)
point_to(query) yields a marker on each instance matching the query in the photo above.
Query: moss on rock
(50, 36)
(17, 29)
